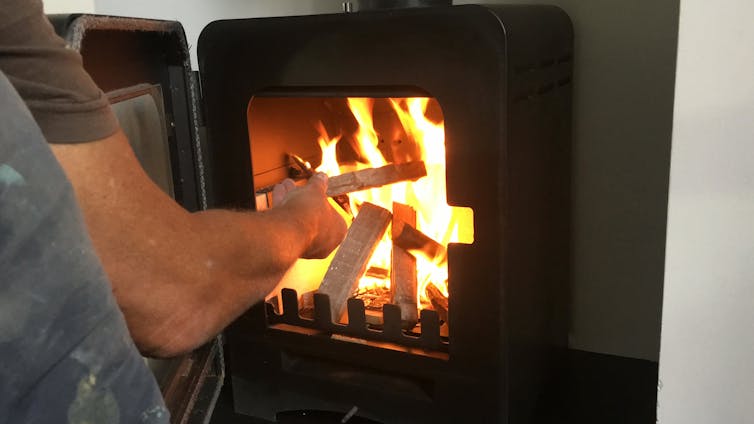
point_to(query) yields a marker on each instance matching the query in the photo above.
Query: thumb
(281, 190)
(319, 182)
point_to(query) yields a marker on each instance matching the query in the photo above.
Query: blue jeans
(65, 351)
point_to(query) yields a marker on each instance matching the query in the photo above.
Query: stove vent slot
(542, 90)
(536, 79)
(543, 64)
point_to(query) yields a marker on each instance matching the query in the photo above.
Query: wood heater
(496, 83)
(461, 114)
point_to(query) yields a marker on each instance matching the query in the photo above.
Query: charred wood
(438, 300)
(417, 243)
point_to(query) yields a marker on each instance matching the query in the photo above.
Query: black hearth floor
(595, 388)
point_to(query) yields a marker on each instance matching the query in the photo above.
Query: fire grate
(392, 330)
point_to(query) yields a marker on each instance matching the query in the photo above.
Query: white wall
(196, 14)
(623, 103)
(68, 6)
(707, 357)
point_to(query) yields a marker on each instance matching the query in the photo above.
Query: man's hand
(178, 277)
(329, 228)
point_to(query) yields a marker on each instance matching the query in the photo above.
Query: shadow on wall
(623, 110)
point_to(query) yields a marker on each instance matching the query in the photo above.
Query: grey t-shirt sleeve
(50, 78)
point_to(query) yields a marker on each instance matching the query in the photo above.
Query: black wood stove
(500, 80)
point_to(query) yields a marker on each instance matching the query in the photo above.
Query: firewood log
(438, 300)
(418, 243)
(350, 261)
(375, 177)
(403, 280)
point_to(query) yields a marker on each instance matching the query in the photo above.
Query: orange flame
(366, 136)
(329, 164)
(435, 218)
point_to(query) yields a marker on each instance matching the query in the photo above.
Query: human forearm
(178, 277)
(203, 278)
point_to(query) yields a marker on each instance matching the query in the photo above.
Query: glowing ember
(443, 223)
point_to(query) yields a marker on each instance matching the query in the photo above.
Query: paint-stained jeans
(65, 353)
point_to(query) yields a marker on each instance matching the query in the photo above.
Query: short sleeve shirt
(50, 78)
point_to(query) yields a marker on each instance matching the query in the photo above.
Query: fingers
(288, 184)
(319, 182)
(281, 190)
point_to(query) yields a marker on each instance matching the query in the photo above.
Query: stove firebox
(500, 78)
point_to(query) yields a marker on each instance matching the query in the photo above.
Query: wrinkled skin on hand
(311, 204)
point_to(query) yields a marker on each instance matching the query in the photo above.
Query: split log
(375, 177)
(403, 280)
(418, 243)
(438, 300)
(350, 261)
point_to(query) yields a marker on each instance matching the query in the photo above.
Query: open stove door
(143, 67)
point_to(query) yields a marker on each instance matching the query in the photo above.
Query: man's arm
(181, 277)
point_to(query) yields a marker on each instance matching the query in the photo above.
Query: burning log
(438, 300)
(375, 177)
(403, 280)
(376, 272)
(350, 261)
(418, 243)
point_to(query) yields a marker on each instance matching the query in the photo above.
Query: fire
(444, 223)
(366, 136)
(329, 163)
